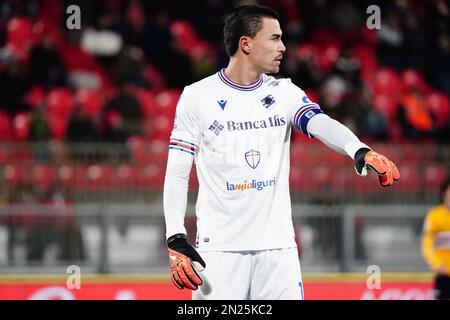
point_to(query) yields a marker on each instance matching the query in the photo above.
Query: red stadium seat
(435, 175)
(386, 82)
(152, 177)
(410, 180)
(328, 56)
(184, 34)
(140, 149)
(18, 36)
(91, 101)
(366, 56)
(386, 104)
(126, 177)
(162, 127)
(35, 97)
(21, 126)
(166, 102)
(413, 79)
(307, 51)
(100, 178)
(58, 124)
(15, 175)
(73, 177)
(43, 176)
(146, 100)
(59, 101)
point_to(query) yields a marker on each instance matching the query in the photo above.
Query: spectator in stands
(82, 129)
(440, 63)
(415, 42)
(115, 131)
(14, 85)
(356, 106)
(129, 67)
(39, 128)
(46, 65)
(161, 50)
(346, 17)
(390, 41)
(414, 116)
(436, 243)
(127, 106)
(302, 68)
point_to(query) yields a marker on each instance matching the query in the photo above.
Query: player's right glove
(184, 263)
(367, 159)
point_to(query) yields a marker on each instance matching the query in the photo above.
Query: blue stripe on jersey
(303, 108)
(182, 149)
(192, 144)
(237, 86)
(304, 118)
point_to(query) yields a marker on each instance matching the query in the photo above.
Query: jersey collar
(238, 86)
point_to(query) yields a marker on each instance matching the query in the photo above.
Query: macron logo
(222, 104)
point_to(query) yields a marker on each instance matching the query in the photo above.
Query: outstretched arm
(339, 138)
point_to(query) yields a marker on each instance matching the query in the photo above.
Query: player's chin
(274, 69)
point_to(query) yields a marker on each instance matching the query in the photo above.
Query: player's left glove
(184, 263)
(367, 159)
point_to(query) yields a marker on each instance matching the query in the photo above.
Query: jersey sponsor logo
(216, 127)
(270, 122)
(222, 104)
(268, 101)
(253, 157)
(254, 184)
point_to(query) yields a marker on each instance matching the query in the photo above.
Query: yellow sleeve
(429, 231)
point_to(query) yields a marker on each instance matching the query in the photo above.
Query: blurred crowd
(104, 82)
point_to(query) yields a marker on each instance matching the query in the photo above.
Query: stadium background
(85, 117)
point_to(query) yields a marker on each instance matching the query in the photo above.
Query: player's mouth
(278, 60)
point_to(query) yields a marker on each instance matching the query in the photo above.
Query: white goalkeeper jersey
(239, 136)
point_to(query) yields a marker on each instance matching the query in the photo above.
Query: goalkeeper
(236, 126)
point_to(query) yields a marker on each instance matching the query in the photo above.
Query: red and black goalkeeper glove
(184, 263)
(367, 159)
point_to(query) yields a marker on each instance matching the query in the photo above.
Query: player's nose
(282, 48)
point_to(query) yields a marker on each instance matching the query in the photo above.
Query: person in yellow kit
(436, 243)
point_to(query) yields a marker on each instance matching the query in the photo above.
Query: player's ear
(244, 44)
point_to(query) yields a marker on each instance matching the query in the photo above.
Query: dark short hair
(245, 20)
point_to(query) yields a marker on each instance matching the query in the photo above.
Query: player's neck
(241, 72)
